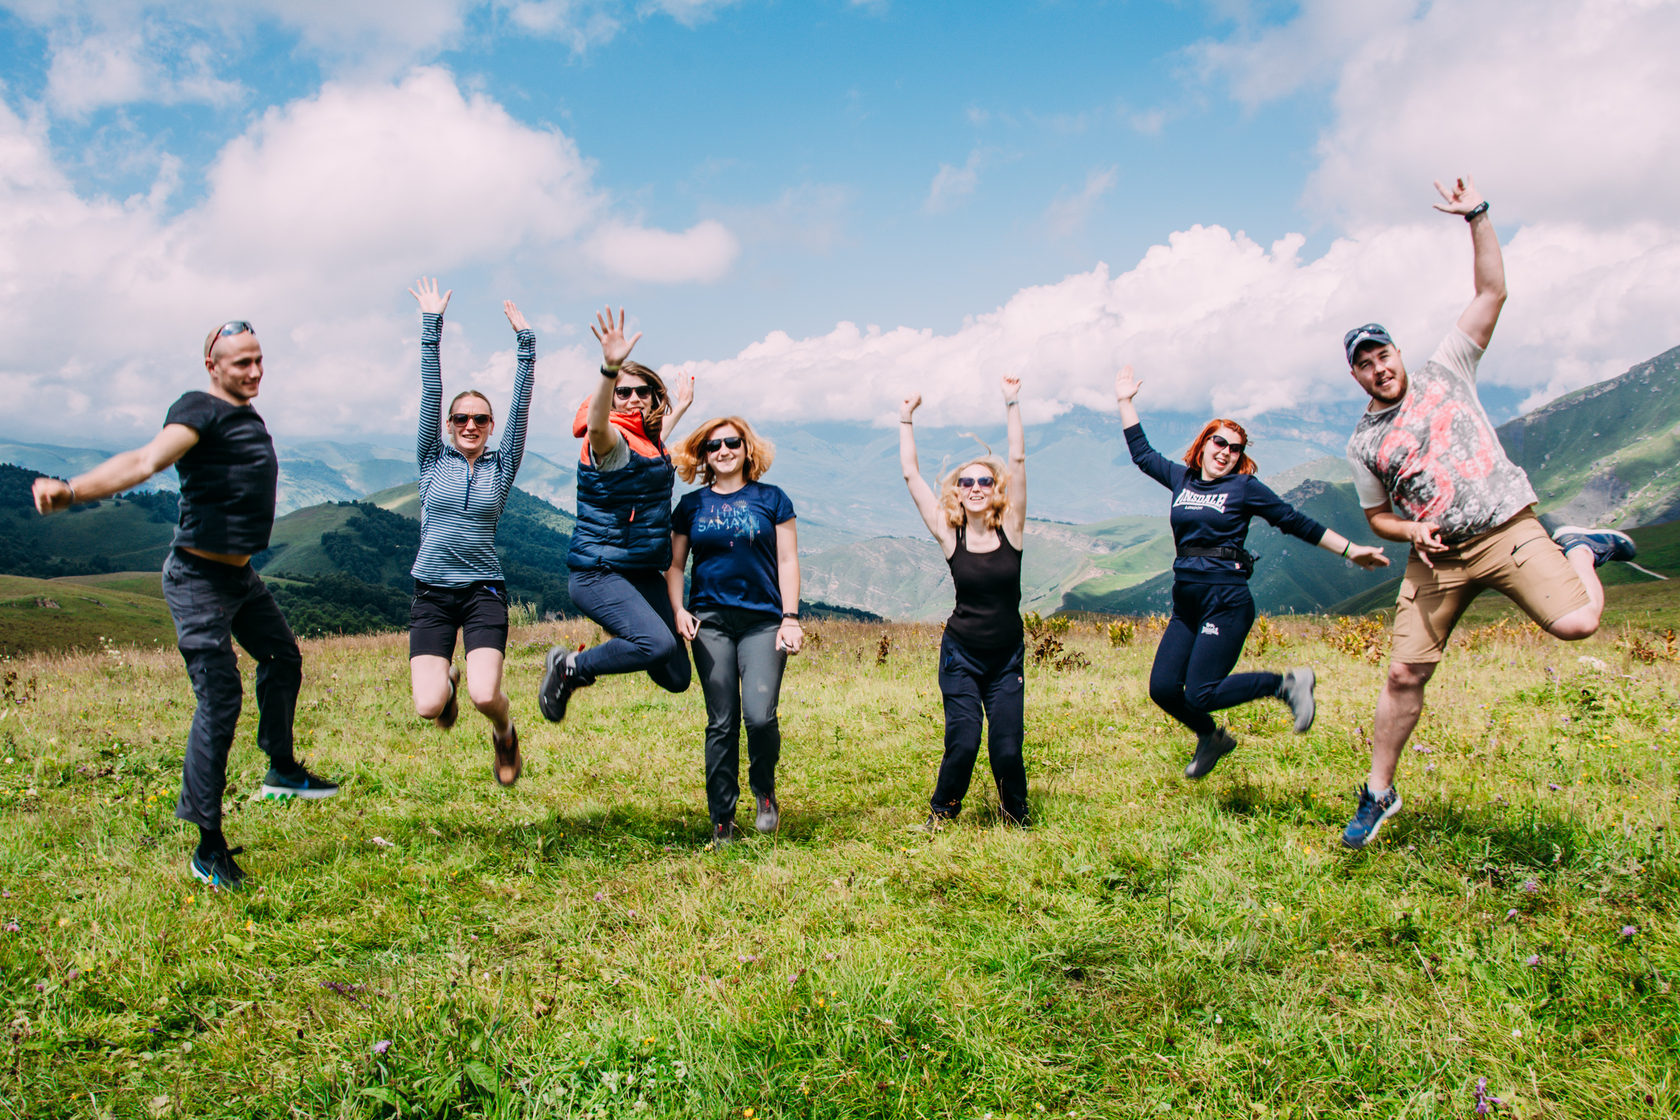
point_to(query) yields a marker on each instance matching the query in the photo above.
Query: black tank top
(988, 613)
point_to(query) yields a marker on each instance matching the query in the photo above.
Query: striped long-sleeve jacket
(461, 503)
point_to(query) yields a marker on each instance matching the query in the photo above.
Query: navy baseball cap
(1359, 336)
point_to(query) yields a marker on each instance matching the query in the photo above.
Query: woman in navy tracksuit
(1215, 495)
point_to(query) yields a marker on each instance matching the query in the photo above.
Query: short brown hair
(690, 457)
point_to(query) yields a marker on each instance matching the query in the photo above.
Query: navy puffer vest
(624, 516)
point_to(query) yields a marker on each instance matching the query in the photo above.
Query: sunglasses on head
(228, 330)
(982, 482)
(711, 445)
(1226, 445)
(625, 392)
(479, 418)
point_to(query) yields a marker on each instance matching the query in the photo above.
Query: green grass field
(82, 613)
(429, 944)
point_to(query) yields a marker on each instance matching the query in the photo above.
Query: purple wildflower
(11, 927)
(1533, 960)
(381, 1046)
(1530, 886)
(1553, 786)
(1511, 913)
(1629, 931)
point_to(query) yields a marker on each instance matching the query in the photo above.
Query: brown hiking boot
(446, 718)
(509, 763)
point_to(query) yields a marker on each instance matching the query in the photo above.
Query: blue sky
(817, 207)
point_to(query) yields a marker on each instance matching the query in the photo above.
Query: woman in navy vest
(1215, 495)
(743, 609)
(621, 546)
(979, 519)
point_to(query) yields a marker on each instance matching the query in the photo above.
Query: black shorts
(478, 610)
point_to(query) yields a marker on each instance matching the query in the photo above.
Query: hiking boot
(723, 835)
(217, 868)
(1210, 748)
(1297, 692)
(296, 782)
(1370, 817)
(1606, 544)
(509, 762)
(446, 718)
(559, 681)
(769, 814)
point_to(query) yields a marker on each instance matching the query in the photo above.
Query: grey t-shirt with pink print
(1435, 456)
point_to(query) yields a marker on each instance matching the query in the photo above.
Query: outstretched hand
(430, 302)
(614, 348)
(908, 406)
(1126, 385)
(1461, 198)
(1367, 557)
(515, 317)
(1011, 388)
(682, 392)
(51, 495)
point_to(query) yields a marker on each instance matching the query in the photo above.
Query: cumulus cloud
(1216, 322)
(319, 203)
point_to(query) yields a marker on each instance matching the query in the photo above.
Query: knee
(661, 645)
(1574, 626)
(485, 696)
(286, 663)
(1200, 695)
(1404, 678)
(1166, 693)
(759, 717)
(429, 708)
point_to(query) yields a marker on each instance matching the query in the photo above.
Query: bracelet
(72, 490)
(791, 615)
(1012, 404)
(1346, 548)
(1477, 210)
(609, 371)
(910, 422)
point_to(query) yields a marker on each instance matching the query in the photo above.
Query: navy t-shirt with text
(733, 540)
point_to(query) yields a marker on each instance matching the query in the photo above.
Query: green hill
(118, 534)
(38, 615)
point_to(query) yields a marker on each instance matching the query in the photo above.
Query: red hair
(1193, 457)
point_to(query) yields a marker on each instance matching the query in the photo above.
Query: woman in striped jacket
(458, 583)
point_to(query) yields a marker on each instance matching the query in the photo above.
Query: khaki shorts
(1518, 559)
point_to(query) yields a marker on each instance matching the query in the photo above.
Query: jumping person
(621, 546)
(225, 458)
(1215, 496)
(1430, 472)
(458, 582)
(979, 519)
(743, 608)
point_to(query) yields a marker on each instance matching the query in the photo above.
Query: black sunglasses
(625, 392)
(983, 482)
(711, 445)
(479, 418)
(1226, 445)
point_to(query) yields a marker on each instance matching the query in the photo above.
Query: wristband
(791, 615)
(609, 371)
(1346, 548)
(910, 422)
(72, 490)
(1477, 210)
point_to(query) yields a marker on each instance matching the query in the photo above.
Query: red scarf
(630, 423)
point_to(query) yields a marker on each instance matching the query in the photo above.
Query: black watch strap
(1480, 208)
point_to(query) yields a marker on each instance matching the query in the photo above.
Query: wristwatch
(1480, 208)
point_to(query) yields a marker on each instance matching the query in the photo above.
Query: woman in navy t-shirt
(743, 608)
(1215, 495)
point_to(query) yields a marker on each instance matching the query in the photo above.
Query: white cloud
(1215, 322)
(1562, 109)
(951, 183)
(702, 252)
(1068, 214)
(123, 67)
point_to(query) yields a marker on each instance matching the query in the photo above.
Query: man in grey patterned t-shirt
(1430, 472)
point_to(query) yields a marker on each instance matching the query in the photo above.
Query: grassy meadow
(429, 944)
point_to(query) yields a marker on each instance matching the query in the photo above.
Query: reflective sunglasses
(1226, 445)
(228, 330)
(983, 482)
(625, 392)
(479, 418)
(711, 445)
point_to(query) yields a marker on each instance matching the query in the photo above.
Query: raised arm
(682, 395)
(1479, 319)
(1015, 518)
(1126, 386)
(1148, 460)
(615, 348)
(790, 636)
(432, 305)
(118, 473)
(513, 436)
(920, 492)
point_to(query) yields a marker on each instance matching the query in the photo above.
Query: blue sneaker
(1606, 544)
(217, 868)
(296, 783)
(1368, 821)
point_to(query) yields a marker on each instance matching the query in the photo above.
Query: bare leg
(1398, 708)
(429, 675)
(484, 686)
(1583, 621)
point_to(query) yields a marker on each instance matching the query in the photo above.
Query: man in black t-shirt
(222, 451)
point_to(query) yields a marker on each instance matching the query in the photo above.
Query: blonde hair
(653, 423)
(690, 458)
(951, 504)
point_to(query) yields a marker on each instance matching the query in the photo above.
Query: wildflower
(1629, 931)
(11, 927)
(1533, 960)
(1530, 886)
(1511, 913)
(381, 1046)
(380, 841)
(1553, 786)
(600, 896)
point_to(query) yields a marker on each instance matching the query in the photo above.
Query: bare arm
(682, 395)
(1364, 555)
(1126, 387)
(687, 624)
(1015, 517)
(1478, 319)
(614, 350)
(118, 473)
(791, 635)
(920, 492)
(1423, 536)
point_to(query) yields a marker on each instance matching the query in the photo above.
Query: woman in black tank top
(979, 519)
